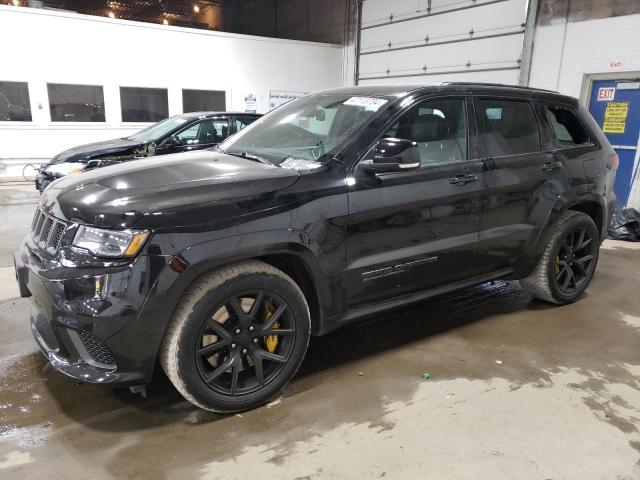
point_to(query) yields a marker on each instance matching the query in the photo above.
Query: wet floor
(518, 389)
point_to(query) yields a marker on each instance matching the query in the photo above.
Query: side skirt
(405, 300)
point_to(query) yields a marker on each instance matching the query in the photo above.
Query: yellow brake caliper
(270, 341)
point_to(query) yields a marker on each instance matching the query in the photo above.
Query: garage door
(432, 41)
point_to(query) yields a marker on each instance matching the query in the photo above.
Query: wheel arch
(280, 250)
(590, 204)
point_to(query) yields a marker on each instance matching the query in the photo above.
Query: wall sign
(615, 117)
(606, 94)
(250, 103)
(280, 97)
(615, 64)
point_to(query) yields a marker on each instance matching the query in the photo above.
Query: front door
(615, 105)
(409, 231)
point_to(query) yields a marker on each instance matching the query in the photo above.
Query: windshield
(312, 128)
(158, 130)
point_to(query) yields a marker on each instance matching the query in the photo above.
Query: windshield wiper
(249, 156)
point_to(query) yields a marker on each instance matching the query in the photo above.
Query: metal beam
(424, 15)
(527, 43)
(425, 74)
(445, 42)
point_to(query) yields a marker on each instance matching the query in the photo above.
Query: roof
(215, 114)
(402, 90)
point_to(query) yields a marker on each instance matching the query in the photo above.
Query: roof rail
(485, 84)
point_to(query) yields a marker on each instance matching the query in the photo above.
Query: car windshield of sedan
(159, 130)
(306, 131)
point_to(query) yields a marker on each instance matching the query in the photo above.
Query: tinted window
(143, 104)
(203, 100)
(76, 103)
(242, 122)
(508, 127)
(438, 126)
(14, 102)
(205, 132)
(566, 127)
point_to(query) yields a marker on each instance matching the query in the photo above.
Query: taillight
(615, 161)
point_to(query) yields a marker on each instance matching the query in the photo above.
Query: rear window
(508, 127)
(566, 126)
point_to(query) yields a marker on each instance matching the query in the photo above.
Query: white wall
(564, 53)
(40, 46)
(492, 59)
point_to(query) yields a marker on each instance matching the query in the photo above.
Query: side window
(438, 126)
(242, 122)
(508, 127)
(205, 132)
(568, 130)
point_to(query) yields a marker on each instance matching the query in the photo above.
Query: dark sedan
(181, 133)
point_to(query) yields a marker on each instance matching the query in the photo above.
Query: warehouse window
(568, 130)
(15, 105)
(76, 103)
(143, 104)
(203, 101)
(509, 127)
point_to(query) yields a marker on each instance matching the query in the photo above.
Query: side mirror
(173, 141)
(394, 155)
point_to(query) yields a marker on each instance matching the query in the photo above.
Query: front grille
(97, 350)
(47, 231)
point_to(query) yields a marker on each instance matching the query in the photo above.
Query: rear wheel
(568, 263)
(237, 337)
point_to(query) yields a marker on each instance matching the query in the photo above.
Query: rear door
(518, 170)
(410, 231)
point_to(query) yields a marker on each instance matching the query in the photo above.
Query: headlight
(64, 169)
(110, 243)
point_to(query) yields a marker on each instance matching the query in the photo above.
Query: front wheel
(569, 261)
(237, 337)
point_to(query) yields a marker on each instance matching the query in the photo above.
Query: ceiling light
(111, 15)
(196, 8)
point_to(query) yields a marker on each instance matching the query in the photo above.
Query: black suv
(182, 133)
(221, 263)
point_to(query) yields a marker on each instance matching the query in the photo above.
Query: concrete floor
(518, 390)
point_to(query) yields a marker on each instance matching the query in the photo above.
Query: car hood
(83, 153)
(155, 188)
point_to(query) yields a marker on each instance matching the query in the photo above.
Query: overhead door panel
(469, 40)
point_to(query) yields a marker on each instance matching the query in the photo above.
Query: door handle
(550, 166)
(463, 179)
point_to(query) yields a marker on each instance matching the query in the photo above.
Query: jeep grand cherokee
(222, 263)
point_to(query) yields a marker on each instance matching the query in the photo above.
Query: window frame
(472, 133)
(512, 98)
(553, 139)
(31, 109)
(130, 123)
(200, 120)
(76, 122)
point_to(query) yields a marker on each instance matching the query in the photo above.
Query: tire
(218, 369)
(551, 279)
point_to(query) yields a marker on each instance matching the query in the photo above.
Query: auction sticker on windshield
(369, 103)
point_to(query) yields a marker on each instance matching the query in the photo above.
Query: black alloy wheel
(574, 259)
(245, 343)
(237, 337)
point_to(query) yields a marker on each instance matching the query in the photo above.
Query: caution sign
(615, 117)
